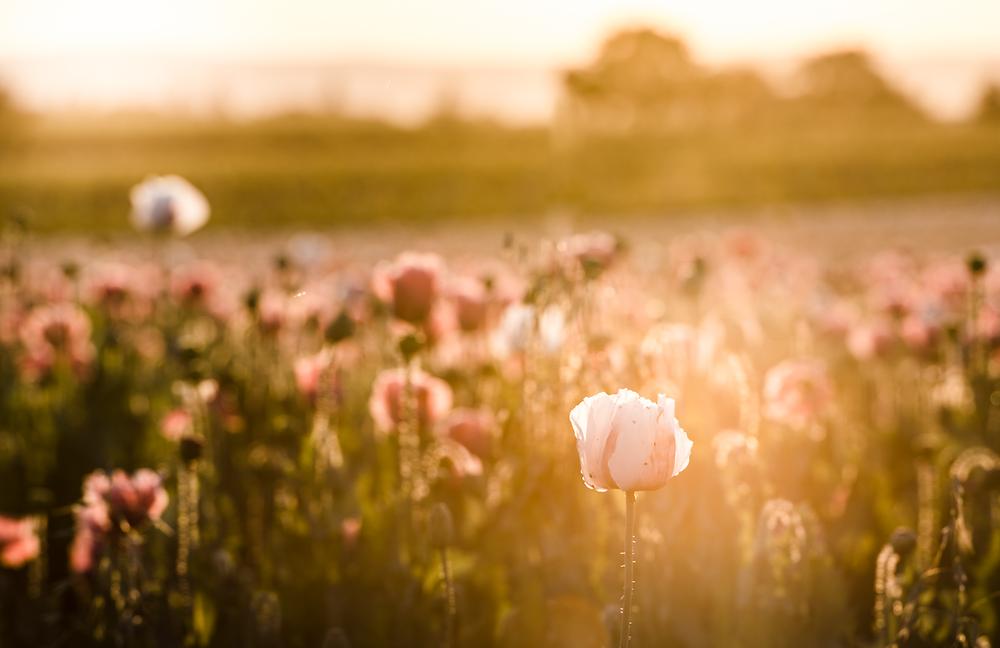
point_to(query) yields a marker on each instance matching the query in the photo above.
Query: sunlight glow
(500, 56)
(480, 31)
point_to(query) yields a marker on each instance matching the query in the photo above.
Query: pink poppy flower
(176, 425)
(410, 285)
(868, 340)
(471, 304)
(315, 372)
(19, 542)
(53, 332)
(432, 397)
(472, 428)
(797, 392)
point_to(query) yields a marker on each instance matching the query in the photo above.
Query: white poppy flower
(629, 442)
(168, 204)
(518, 323)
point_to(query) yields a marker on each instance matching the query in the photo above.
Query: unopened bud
(976, 263)
(903, 541)
(340, 328)
(191, 448)
(409, 346)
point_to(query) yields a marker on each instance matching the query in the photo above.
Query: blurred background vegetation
(643, 128)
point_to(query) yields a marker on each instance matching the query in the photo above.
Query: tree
(10, 116)
(644, 81)
(846, 84)
(988, 108)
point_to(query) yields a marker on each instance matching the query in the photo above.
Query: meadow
(69, 173)
(303, 442)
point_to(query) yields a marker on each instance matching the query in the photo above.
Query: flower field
(311, 447)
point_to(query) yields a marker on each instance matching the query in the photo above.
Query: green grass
(74, 174)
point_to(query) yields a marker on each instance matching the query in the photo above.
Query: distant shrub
(11, 116)
(847, 85)
(643, 81)
(646, 81)
(988, 108)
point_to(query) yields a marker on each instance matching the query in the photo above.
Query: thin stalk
(629, 590)
(187, 527)
(926, 512)
(449, 594)
(409, 434)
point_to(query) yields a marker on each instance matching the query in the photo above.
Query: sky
(476, 32)
(150, 53)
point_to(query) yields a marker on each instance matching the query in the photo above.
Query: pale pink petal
(591, 420)
(631, 461)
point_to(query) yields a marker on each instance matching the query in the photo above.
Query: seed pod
(340, 328)
(976, 263)
(191, 448)
(903, 541)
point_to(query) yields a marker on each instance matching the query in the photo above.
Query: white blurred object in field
(168, 204)
(518, 325)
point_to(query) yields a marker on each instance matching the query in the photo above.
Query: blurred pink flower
(131, 501)
(888, 277)
(197, 285)
(991, 283)
(432, 397)
(471, 303)
(948, 283)
(177, 424)
(124, 292)
(315, 371)
(92, 527)
(11, 316)
(917, 332)
(455, 462)
(19, 542)
(595, 251)
(272, 311)
(473, 428)
(350, 530)
(797, 392)
(837, 317)
(734, 447)
(409, 285)
(868, 340)
(987, 325)
(442, 323)
(48, 282)
(114, 504)
(53, 332)
(894, 298)
(887, 267)
(744, 244)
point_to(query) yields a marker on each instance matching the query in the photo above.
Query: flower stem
(449, 594)
(626, 628)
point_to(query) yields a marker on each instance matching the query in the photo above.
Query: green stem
(449, 593)
(626, 628)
